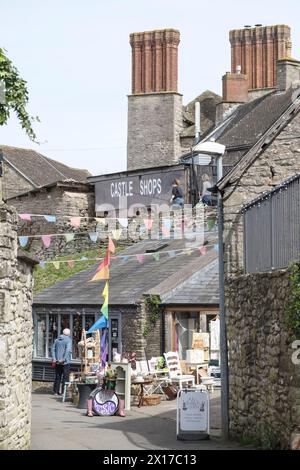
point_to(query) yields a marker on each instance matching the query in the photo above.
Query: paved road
(57, 425)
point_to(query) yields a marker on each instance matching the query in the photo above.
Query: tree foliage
(14, 95)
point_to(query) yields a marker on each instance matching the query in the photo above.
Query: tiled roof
(129, 279)
(40, 170)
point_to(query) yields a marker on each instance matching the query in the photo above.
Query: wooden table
(142, 394)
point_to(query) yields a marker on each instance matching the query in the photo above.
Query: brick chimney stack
(257, 50)
(155, 61)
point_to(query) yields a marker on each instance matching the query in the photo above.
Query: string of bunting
(103, 270)
(94, 236)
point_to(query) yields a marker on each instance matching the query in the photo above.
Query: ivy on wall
(292, 311)
(153, 307)
(14, 96)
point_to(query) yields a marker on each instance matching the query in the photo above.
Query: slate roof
(200, 288)
(129, 279)
(40, 170)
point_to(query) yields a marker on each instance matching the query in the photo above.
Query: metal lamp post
(205, 150)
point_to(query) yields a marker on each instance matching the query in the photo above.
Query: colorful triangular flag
(75, 221)
(111, 246)
(25, 216)
(148, 223)
(172, 254)
(69, 237)
(123, 222)
(50, 218)
(71, 263)
(203, 250)
(46, 239)
(216, 248)
(56, 264)
(117, 233)
(140, 258)
(23, 241)
(93, 236)
(156, 256)
(42, 264)
(211, 223)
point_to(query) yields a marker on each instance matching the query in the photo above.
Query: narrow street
(57, 425)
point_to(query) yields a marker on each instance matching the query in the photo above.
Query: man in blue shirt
(61, 359)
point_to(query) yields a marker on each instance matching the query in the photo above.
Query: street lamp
(205, 150)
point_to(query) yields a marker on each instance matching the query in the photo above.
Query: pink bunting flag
(148, 223)
(25, 216)
(46, 240)
(165, 232)
(75, 221)
(111, 246)
(140, 258)
(203, 250)
(71, 263)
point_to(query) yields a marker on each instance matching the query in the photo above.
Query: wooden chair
(175, 372)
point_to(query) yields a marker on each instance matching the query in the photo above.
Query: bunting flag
(56, 264)
(50, 218)
(203, 250)
(148, 223)
(104, 308)
(124, 258)
(100, 220)
(25, 216)
(140, 258)
(23, 241)
(216, 248)
(69, 237)
(71, 263)
(42, 264)
(165, 232)
(123, 222)
(100, 323)
(103, 269)
(211, 223)
(46, 239)
(172, 254)
(84, 258)
(156, 256)
(93, 236)
(75, 221)
(103, 348)
(111, 246)
(117, 233)
(189, 252)
(167, 223)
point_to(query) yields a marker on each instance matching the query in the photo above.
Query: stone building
(16, 335)
(66, 199)
(160, 128)
(24, 170)
(186, 285)
(262, 139)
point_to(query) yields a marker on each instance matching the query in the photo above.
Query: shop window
(64, 322)
(40, 335)
(76, 334)
(52, 332)
(89, 321)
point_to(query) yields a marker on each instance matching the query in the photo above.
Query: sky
(76, 59)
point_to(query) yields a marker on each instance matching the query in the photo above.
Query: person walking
(177, 194)
(61, 359)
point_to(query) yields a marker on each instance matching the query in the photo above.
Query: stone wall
(16, 330)
(277, 163)
(264, 384)
(65, 200)
(154, 126)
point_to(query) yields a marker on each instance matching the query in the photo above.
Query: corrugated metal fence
(272, 229)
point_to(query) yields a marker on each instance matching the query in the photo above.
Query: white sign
(193, 411)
